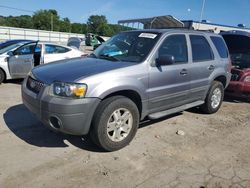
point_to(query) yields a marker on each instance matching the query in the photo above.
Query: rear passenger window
(175, 45)
(220, 46)
(54, 49)
(201, 49)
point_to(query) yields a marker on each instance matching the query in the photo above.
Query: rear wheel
(2, 76)
(115, 123)
(214, 98)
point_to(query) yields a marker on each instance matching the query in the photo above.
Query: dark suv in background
(238, 43)
(134, 75)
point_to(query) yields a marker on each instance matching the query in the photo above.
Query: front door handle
(183, 72)
(211, 67)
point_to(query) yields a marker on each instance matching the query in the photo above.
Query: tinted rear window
(220, 46)
(54, 49)
(201, 49)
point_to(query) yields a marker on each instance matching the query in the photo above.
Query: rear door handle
(211, 67)
(183, 72)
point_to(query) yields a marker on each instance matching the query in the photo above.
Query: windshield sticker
(148, 35)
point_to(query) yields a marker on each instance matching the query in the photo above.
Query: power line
(13, 8)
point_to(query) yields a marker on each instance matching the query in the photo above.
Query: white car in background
(19, 62)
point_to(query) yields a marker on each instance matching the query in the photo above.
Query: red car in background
(238, 43)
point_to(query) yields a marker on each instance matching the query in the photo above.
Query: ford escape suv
(134, 75)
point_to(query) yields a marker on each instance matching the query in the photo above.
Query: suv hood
(237, 42)
(75, 69)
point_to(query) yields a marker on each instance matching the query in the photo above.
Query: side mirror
(10, 53)
(165, 60)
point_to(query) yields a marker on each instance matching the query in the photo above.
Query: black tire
(208, 106)
(2, 76)
(99, 130)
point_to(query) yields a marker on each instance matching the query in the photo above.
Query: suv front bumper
(71, 116)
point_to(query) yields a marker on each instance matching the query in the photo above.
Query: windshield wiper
(111, 58)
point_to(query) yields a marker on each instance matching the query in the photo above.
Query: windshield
(9, 48)
(241, 60)
(128, 46)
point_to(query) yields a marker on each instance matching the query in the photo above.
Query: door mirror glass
(165, 60)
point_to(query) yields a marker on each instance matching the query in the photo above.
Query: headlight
(247, 79)
(69, 90)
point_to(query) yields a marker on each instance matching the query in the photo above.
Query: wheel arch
(129, 93)
(221, 79)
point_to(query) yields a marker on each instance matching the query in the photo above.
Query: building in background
(165, 22)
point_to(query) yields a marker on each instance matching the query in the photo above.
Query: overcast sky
(227, 12)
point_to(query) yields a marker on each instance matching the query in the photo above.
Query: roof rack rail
(206, 30)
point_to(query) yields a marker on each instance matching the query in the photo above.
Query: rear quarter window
(54, 49)
(220, 46)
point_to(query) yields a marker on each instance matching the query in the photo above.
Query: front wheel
(214, 98)
(115, 123)
(2, 76)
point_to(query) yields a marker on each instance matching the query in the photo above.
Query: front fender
(5, 68)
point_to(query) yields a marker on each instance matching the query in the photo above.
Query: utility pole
(51, 21)
(202, 10)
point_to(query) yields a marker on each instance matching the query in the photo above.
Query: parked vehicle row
(134, 75)
(18, 59)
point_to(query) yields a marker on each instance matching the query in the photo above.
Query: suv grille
(34, 85)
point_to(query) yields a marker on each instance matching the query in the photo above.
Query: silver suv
(134, 75)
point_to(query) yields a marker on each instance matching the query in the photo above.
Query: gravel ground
(209, 151)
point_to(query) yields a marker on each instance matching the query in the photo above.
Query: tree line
(50, 20)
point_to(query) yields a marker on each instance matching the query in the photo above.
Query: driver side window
(176, 46)
(26, 50)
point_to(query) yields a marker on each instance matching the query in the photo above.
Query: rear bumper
(71, 116)
(238, 89)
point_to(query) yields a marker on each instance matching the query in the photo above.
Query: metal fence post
(9, 34)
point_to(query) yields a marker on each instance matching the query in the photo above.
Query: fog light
(55, 122)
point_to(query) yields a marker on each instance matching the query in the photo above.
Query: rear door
(203, 65)
(169, 84)
(22, 60)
